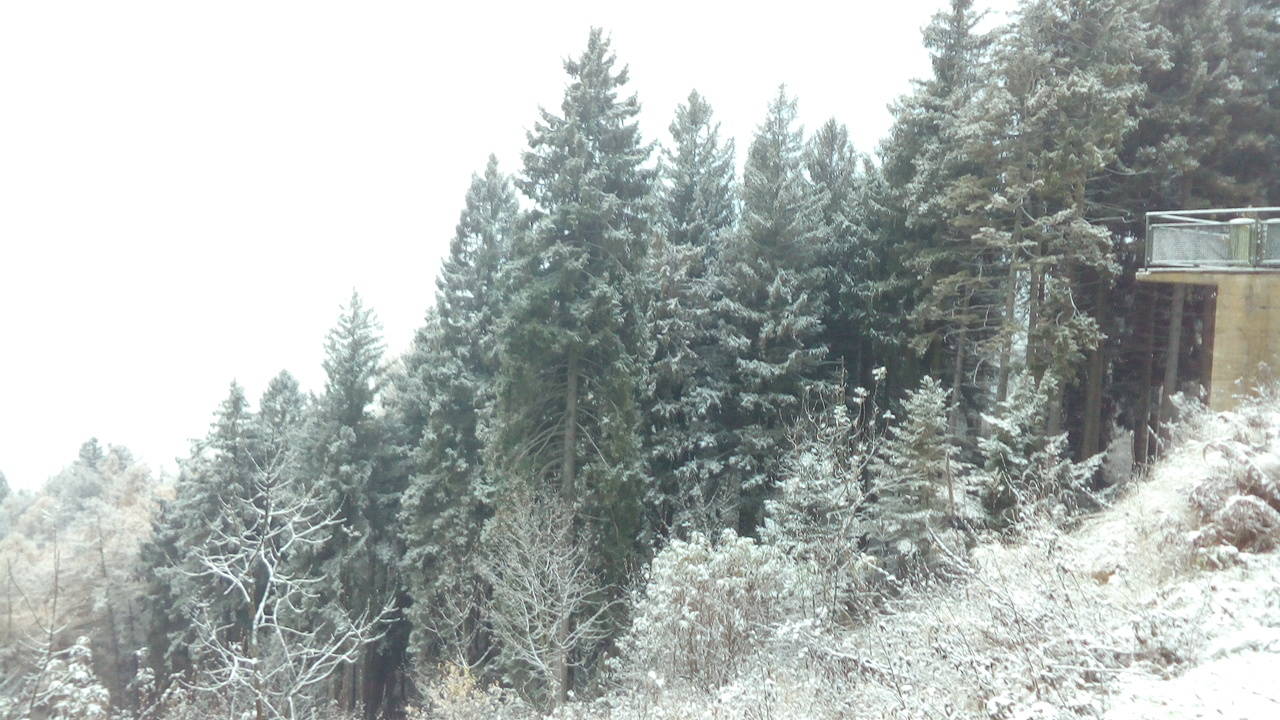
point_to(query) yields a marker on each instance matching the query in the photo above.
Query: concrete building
(1236, 251)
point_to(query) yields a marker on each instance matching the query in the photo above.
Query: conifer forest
(701, 429)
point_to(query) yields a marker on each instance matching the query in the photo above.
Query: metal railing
(1224, 238)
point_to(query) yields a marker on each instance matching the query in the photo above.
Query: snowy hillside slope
(1164, 605)
(1146, 610)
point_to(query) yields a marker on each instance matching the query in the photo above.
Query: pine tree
(282, 413)
(572, 337)
(1069, 87)
(1023, 468)
(1253, 150)
(916, 479)
(687, 383)
(74, 691)
(834, 169)
(351, 467)
(953, 283)
(210, 482)
(1200, 140)
(454, 362)
(771, 311)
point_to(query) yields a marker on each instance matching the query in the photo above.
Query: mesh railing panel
(1271, 242)
(1201, 244)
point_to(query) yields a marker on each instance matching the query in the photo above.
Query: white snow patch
(1237, 686)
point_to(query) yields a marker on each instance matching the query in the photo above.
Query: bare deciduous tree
(547, 607)
(279, 648)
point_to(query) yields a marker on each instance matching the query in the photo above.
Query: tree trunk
(371, 684)
(569, 459)
(1053, 425)
(562, 662)
(1033, 317)
(1142, 410)
(957, 380)
(1006, 344)
(1091, 443)
(115, 684)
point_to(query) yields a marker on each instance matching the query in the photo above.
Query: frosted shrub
(1025, 470)
(1237, 503)
(546, 607)
(817, 516)
(454, 694)
(708, 607)
(74, 692)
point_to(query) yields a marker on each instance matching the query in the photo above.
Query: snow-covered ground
(1230, 666)
(1141, 611)
(1165, 604)
(1221, 606)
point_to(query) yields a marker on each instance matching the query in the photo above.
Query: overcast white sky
(188, 191)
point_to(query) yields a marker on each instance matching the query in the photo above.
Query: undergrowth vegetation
(1056, 616)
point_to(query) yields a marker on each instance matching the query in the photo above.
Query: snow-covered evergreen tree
(282, 414)
(770, 315)
(918, 482)
(349, 465)
(218, 473)
(954, 284)
(74, 691)
(1065, 103)
(572, 339)
(687, 383)
(1024, 469)
(452, 367)
(846, 256)
(819, 515)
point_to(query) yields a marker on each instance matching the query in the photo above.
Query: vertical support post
(1146, 250)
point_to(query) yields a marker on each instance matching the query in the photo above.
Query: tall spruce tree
(952, 290)
(282, 414)
(835, 171)
(1203, 132)
(1019, 208)
(454, 361)
(350, 465)
(210, 483)
(687, 384)
(771, 312)
(1070, 75)
(572, 339)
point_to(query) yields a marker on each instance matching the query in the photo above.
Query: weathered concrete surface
(1246, 328)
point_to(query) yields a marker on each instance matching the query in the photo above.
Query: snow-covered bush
(919, 485)
(1025, 470)
(707, 607)
(74, 691)
(455, 694)
(546, 607)
(817, 516)
(1237, 503)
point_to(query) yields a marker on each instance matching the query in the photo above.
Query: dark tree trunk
(1091, 442)
(1146, 352)
(569, 459)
